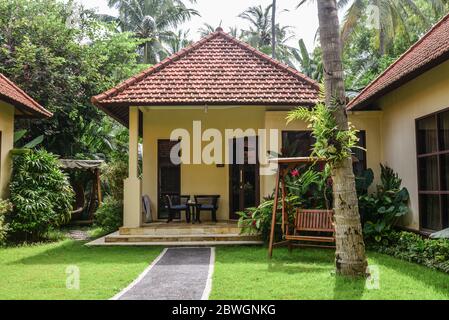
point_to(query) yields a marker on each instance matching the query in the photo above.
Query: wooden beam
(98, 178)
(273, 217)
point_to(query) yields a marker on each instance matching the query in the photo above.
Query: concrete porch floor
(179, 234)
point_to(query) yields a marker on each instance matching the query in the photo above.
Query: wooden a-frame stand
(284, 165)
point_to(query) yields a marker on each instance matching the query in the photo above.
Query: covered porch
(236, 186)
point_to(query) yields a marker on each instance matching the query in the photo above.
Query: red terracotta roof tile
(217, 70)
(431, 50)
(12, 94)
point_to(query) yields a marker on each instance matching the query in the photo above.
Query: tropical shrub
(5, 208)
(113, 175)
(381, 210)
(258, 220)
(433, 253)
(312, 185)
(363, 181)
(109, 215)
(40, 193)
(305, 189)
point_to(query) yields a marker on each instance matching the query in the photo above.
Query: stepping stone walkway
(79, 235)
(177, 274)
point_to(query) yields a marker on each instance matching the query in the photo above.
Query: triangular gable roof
(431, 50)
(217, 70)
(12, 94)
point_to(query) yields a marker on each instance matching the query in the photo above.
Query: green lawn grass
(39, 271)
(246, 273)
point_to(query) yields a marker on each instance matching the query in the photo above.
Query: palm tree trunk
(146, 53)
(273, 30)
(382, 40)
(350, 257)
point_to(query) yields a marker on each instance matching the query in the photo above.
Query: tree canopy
(61, 55)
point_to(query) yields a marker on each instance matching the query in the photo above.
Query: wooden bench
(310, 222)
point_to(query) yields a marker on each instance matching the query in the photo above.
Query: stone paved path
(177, 274)
(79, 235)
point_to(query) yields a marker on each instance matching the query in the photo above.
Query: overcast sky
(303, 20)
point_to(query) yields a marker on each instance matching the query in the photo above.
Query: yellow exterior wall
(424, 95)
(201, 178)
(7, 139)
(370, 122)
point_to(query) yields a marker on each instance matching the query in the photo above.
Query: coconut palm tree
(261, 30)
(179, 41)
(350, 256)
(388, 17)
(153, 21)
(259, 33)
(273, 29)
(206, 29)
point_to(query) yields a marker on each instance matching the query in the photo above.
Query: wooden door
(169, 176)
(244, 189)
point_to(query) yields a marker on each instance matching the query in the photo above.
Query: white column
(132, 185)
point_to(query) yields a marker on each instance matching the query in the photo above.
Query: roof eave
(105, 106)
(355, 105)
(29, 113)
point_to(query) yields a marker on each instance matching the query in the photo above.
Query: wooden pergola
(284, 166)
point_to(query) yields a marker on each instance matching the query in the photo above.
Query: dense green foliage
(381, 210)
(258, 220)
(408, 246)
(5, 208)
(387, 18)
(41, 195)
(259, 33)
(369, 51)
(109, 215)
(113, 175)
(307, 187)
(153, 22)
(62, 55)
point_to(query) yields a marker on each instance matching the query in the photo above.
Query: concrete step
(230, 237)
(187, 229)
(100, 242)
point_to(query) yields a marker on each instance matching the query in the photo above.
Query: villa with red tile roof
(14, 102)
(218, 91)
(221, 91)
(411, 99)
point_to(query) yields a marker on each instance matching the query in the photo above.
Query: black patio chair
(177, 203)
(206, 203)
